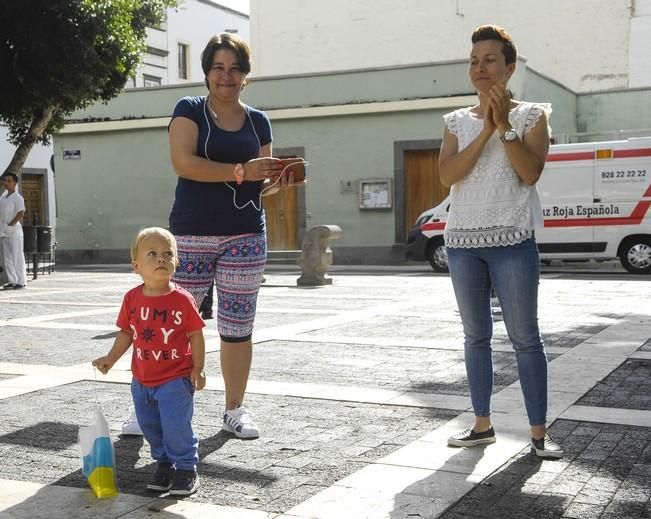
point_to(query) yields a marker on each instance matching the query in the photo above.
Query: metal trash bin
(44, 239)
(29, 239)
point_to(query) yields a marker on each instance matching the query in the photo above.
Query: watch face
(510, 135)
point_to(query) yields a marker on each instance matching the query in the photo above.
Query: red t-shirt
(160, 326)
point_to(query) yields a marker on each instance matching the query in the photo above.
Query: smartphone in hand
(294, 165)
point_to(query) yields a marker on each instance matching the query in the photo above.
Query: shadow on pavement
(109, 335)
(45, 435)
(604, 473)
(429, 497)
(513, 491)
(49, 502)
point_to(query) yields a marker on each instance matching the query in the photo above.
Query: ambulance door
(622, 179)
(566, 193)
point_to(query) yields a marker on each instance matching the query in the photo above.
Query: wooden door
(281, 210)
(31, 187)
(423, 188)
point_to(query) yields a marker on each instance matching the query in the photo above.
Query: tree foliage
(57, 56)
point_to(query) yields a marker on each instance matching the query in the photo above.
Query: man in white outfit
(12, 209)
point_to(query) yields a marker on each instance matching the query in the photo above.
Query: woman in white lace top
(492, 156)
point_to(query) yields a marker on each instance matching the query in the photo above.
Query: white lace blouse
(491, 206)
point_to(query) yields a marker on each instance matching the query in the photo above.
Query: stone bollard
(316, 255)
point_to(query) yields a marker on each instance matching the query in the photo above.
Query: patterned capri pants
(236, 263)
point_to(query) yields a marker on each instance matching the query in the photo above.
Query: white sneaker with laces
(239, 421)
(496, 309)
(130, 427)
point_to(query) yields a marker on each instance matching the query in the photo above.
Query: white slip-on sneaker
(545, 447)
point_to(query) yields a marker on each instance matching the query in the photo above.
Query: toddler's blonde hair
(152, 231)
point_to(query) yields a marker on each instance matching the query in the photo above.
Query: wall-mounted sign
(375, 193)
(347, 187)
(71, 154)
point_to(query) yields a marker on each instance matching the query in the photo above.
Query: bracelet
(239, 173)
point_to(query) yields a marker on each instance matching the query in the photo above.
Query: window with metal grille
(183, 60)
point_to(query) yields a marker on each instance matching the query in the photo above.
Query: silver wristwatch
(509, 135)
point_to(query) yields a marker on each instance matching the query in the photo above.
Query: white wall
(193, 23)
(581, 43)
(38, 158)
(639, 55)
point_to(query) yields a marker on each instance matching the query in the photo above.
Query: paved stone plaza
(355, 386)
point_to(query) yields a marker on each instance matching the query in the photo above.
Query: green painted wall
(603, 112)
(378, 85)
(139, 103)
(125, 181)
(341, 149)
(539, 88)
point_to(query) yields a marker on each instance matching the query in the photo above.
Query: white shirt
(10, 205)
(491, 206)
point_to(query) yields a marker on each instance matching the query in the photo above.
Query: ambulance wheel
(635, 255)
(437, 256)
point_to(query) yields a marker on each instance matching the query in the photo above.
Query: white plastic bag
(98, 457)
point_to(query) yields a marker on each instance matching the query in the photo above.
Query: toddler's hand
(198, 379)
(103, 364)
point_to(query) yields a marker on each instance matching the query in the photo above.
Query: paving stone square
(306, 446)
(601, 470)
(31, 345)
(348, 381)
(628, 387)
(399, 368)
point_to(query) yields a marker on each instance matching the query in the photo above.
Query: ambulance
(595, 199)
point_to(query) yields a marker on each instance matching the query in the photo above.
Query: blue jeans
(165, 416)
(513, 271)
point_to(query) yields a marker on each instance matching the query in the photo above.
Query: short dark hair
(493, 32)
(12, 175)
(227, 41)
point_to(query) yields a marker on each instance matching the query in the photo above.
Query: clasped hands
(496, 111)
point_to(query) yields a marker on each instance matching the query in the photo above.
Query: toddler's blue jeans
(165, 416)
